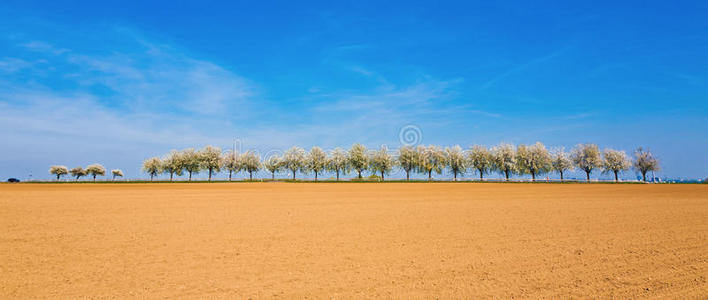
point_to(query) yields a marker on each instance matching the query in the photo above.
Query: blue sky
(116, 82)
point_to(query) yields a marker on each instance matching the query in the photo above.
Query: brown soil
(395, 240)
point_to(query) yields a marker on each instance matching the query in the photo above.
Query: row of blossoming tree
(506, 159)
(92, 170)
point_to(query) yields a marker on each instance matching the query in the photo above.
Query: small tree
(192, 161)
(78, 172)
(251, 163)
(408, 160)
(152, 166)
(338, 162)
(316, 160)
(95, 170)
(560, 162)
(58, 171)
(381, 162)
(644, 161)
(294, 160)
(430, 159)
(173, 164)
(455, 160)
(358, 159)
(231, 162)
(480, 158)
(116, 172)
(504, 159)
(534, 160)
(273, 165)
(615, 161)
(210, 160)
(586, 157)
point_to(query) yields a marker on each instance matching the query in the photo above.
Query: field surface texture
(353, 240)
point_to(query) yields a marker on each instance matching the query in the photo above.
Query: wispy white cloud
(427, 98)
(390, 97)
(81, 121)
(164, 79)
(578, 116)
(11, 64)
(521, 67)
(371, 74)
(40, 46)
(134, 70)
(697, 81)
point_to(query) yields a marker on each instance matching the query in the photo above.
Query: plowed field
(352, 240)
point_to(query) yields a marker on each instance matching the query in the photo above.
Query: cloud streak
(521, 67)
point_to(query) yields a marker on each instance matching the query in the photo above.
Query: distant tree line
(505, 159)
(92, 170)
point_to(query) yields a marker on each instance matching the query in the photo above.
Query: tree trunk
(171, 174)
(190, 175)
(57, 177)
(430, 175)
(616, 178)
(455, 174)
(230, 175)
(273, 177)
(408, 175)
(382, 176)
(250, 175)
(94, 177)
(644, 176)
(359, 173)
(151, 177)
(210, 170)
(315, 175)
(587, 175)
(533, 176)
(337, 174)
(561, 176)
(481, 175)
(293, 174)
(506, 172)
